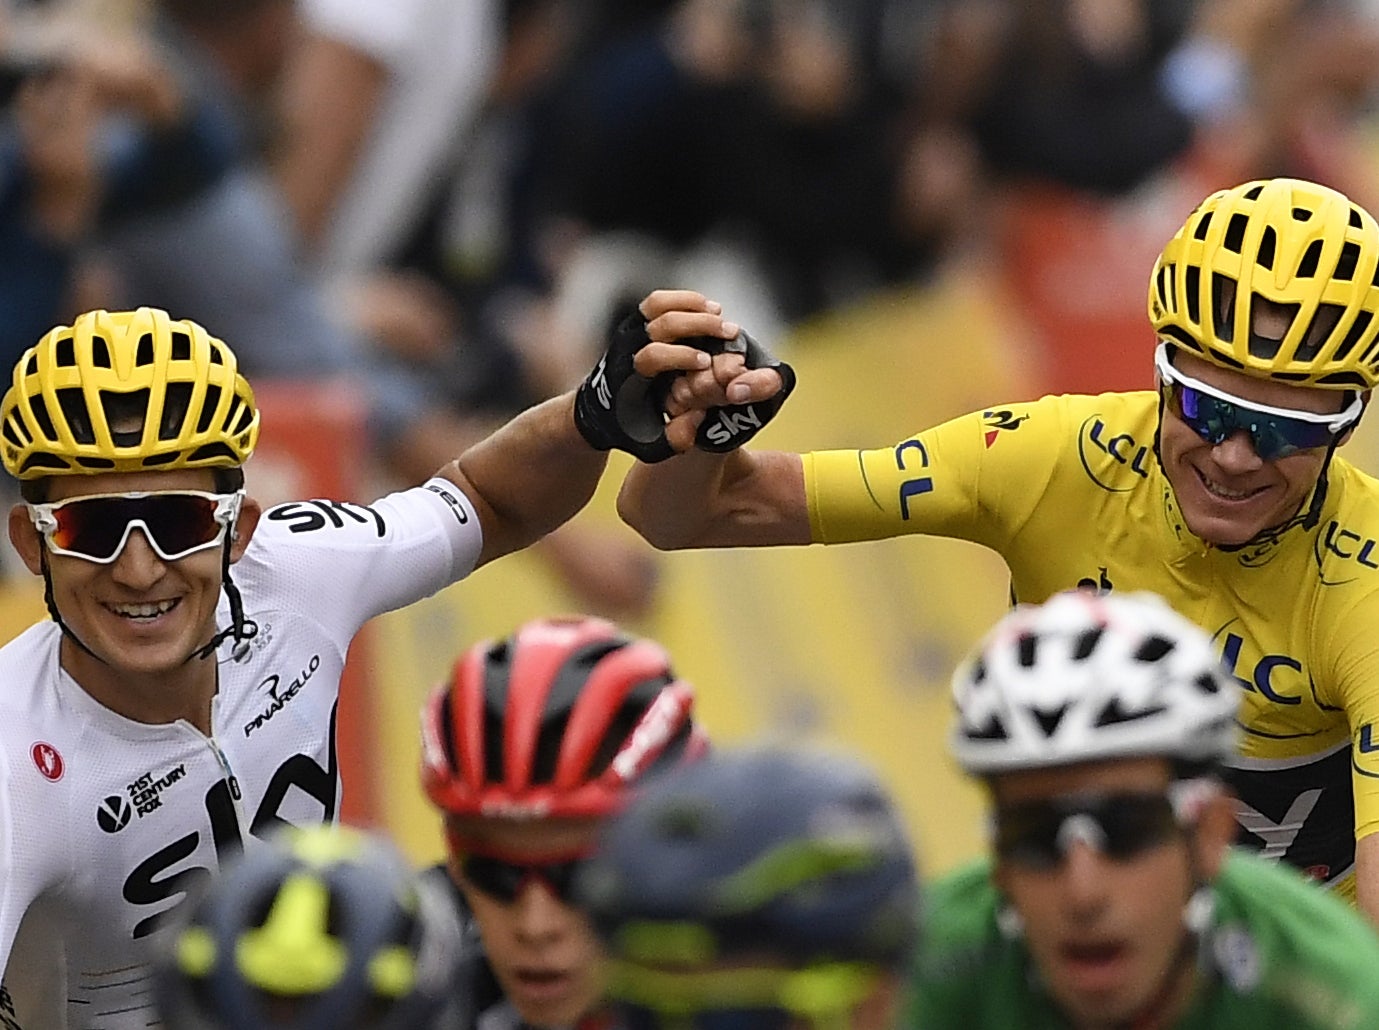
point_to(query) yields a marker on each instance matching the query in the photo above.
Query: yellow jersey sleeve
(977, 477)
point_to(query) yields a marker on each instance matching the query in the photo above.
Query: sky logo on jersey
(47, 760)
(996, 421)
(1129, 459)
(312, 516)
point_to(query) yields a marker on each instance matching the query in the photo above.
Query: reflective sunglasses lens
(94, 527)
(1273, 436)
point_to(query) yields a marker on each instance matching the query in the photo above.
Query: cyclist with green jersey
(759, 888)
(1222, 491)
(1114, 899)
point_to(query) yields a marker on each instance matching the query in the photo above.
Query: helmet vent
(65, 353)
(176, 402)
(1345, 265)
(1086, 643)
(45, 421)
(1153, 649)
(1048, 721)
(1203, 224)
(1307, 268)
(993, 729)
(1357, 330)
(1027, 646)
(208, 406)
(73, 404)
(1208, 684)
(1254, 191)
(181, 346)
(1301, 214)
(1323, 325)
(1357, 221)
(100, 351)
(125, 414)
(1235, 232)
(143, 352)
(1223, 290)
(1268, 240)
(1192, 282)
(209, 451)
(1114, 713)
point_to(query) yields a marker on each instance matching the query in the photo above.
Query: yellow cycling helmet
(126, 391)
(1294, 259)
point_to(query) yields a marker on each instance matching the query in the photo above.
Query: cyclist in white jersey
(170, 714)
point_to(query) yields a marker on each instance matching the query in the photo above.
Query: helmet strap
(241, 628)
(51, 604)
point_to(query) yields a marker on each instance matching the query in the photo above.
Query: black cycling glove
(617, 408)
(729, 426)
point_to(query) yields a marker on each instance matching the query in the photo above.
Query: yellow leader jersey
(1069, 492)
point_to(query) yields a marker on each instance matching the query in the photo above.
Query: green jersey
(1280, 953)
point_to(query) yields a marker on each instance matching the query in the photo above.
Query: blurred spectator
(759, 137)
(93, 128)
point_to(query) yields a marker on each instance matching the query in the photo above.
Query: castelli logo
(47, 760)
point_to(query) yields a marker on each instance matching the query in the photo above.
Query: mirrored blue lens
(1273, 436)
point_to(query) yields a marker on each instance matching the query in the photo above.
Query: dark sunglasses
(1274, 432)
(504, 880)
(176, 523)
(1122, 826)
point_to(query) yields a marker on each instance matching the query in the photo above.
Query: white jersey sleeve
(358, 560)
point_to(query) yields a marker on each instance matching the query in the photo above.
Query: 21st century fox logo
(144, 795)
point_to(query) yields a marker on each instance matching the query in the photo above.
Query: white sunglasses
(176, 523)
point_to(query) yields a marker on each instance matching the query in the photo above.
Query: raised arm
(538, 470)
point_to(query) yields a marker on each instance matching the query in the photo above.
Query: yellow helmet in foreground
(1278, 279)
(126, 391)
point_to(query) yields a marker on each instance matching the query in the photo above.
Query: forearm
(739, 499)
(528, 477)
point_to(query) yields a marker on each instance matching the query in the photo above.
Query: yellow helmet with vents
(1278, 279)
(126, 391)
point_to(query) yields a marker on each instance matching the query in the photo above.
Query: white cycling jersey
(106, 823)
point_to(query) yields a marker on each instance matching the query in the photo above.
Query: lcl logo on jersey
(1129, 459)
(113, 814)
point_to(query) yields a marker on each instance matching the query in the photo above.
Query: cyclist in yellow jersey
(1221, 491)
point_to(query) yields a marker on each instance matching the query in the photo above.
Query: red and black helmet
(557, 720)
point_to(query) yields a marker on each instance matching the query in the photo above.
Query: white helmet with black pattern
(1086, 677)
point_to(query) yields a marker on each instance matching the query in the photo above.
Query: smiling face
(1105, 934)
(543, 951)
(1226, 492)
(140, 615)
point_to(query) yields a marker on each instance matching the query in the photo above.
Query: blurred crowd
(443, 203)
